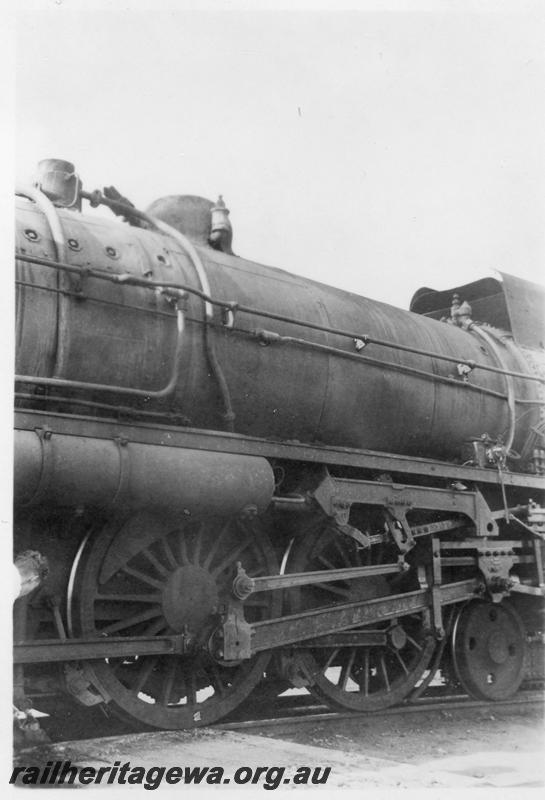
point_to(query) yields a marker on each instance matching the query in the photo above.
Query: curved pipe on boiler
(55, 226)
(124, 390)
(228, 413)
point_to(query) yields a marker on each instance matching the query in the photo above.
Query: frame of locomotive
(189, 569)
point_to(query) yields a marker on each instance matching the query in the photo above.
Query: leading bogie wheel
(488, 649)
(148, 577)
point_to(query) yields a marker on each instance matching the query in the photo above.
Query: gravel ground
(500, 750)
(417, 737)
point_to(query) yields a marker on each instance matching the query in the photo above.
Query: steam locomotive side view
(230, 479)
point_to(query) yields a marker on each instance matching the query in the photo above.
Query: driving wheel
(149, 577)
(383, 670)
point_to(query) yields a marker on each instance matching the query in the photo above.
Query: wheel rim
(488, 649)
(147, 577)
(359, 678)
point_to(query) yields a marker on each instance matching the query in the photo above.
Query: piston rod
(243, 585)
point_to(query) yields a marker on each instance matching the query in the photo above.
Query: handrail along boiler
(230, 479)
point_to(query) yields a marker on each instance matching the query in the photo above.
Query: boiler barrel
(379, 398)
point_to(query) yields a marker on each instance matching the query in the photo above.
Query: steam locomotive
(230, 479)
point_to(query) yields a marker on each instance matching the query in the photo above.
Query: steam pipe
(126, 390)
(50, 213)
(118, 207)
(231, 306)
(268, 337)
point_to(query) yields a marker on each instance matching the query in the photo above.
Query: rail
(304, 710)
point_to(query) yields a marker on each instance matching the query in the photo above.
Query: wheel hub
(189, 598)
(497, 646)
(397, 637)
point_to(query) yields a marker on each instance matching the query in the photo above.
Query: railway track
(309, 712)
(288, 712)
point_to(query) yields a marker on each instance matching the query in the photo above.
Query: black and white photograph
(275, 347)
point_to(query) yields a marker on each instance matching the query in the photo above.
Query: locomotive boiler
(242, 479)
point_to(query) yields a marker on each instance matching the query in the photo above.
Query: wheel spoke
(182, 547)
(144, 673)
(169, 554)
(414, 643)
(231, 557)
(116, 665)
(141, 576)
(168, 681)
(197, 548)
(128, 622)
(328, 587)
(156, 627)
(256, 602)
(162, 570)
(384, 672)
(130, 598)
(330, 660)
(216, 678)
(342, 552)
(192, 698)
(213, 550)
(403, 665)
(366, 672)
(346, 670)
(182, 687)
(325, 562)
